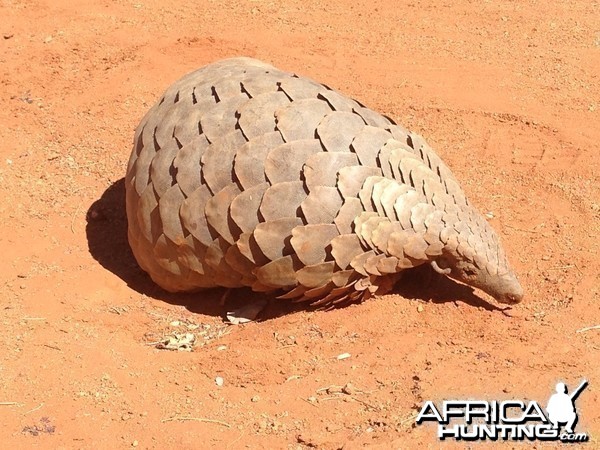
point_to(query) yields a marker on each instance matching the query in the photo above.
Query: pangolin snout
(506, 289)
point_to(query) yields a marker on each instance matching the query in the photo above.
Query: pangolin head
(473, 255)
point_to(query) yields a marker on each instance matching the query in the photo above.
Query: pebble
(349, 389)
(219, 381)
(344, 356)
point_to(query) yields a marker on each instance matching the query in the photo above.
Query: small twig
(309, 402)
(345, 397)
(336, 397)
(53, 347)
(196, 419)
(235, 440)
(568, 266)
(118, 309)
(595, 327)
(288, 345)
(73, 218)
(9, 403)
(521, 229)
(34, 409)
(34, 318)
(409, 418)
(363, 402)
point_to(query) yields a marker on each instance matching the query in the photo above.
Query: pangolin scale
(245, 175)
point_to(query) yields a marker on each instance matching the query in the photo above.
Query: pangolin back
(245, 175)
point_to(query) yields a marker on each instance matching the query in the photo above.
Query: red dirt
(508, 93)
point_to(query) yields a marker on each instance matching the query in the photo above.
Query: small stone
(344, 356)
(48, 39)
(255, 399)
(175, 323)
(349, 389)
(220, 348)
(420, 308)
(125, 417)
(219, 381)
(135, 443)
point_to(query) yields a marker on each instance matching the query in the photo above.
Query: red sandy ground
(507, 92)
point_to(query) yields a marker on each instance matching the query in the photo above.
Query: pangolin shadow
(424, 283)
(106, 232)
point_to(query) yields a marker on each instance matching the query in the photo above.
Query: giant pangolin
(245, 175)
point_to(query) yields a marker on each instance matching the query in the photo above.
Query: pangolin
(246, 175)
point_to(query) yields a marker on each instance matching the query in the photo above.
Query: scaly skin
(244, 175)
